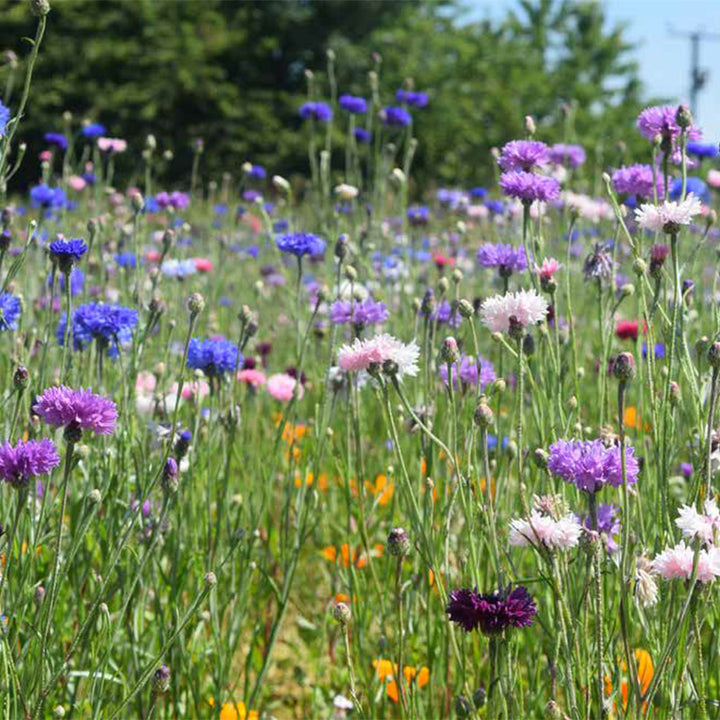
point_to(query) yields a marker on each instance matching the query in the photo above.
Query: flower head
(506, 258)
(360, 313)
(319, 111)
(301, 243)
(413, 98)
(572, 156)
(92, 130)
(10, 309)
(27, 460)
(598, 264)
(63, 406)
(4, 118)
(492, 612)
(67, 252)
(669, 216)
(677, 563)
(525, 306)
(662, 120)
(523, 155)
(213, 357)
(466, 372)
(395, 116)
(47, 197)
(352, 104)
(112, 145)
(282, 387)
(378, 350)
(637, 180)
(109, 325)
(589, 465)
(544, 530)
(547, 270)
(694, 525)
(57, 140)
(528, 187)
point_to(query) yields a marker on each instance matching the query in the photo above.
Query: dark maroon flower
(491, 612)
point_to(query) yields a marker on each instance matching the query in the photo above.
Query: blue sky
(664, 60)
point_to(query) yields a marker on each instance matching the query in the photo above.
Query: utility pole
(698, 76)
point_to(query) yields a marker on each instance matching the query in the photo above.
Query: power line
(698, 76)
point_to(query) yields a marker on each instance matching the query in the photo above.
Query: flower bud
(462, 706)
(684, 117)
(465, 308)
(341, 612)
(94, 497)
(639, 267)
(21, 377)
(483, 415)
(39, 8)
(161, 680)
(398, 543)
(624, 367)
(541, 457)
(449, 352)
(529, 125)
(195, 304)
(713, 355)
(341, 247)
(169, 478)
(350, 273)
(210, 580)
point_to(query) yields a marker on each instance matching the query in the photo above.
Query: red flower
(627, 330)
(442, 261)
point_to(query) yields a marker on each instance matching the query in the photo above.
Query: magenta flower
(63, 406)
(491, 612)
(27, 460)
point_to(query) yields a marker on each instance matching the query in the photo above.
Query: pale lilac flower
(573, 156)
(526, 306)
(379, 349)
(545, 530)
(677, 563)
(669, 216)
(695, 525)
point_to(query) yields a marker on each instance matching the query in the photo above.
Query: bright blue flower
(396, 116)
(418, 215)
(412, 98)
(496, 207)
(362, 136)
(93, 130)
(258, 172)
(126, 260)
(67, 252)
(478, 192)
(110, 326)
(659, 350)
(89, 178)
(4, 118)
(353, 104)
(709, 150)
(213, 357)
(9, 312)
(280, 226)
(300, 244)
(56, 139)
(694, 185)
(220, 209)
(46, 197)
(320, 111)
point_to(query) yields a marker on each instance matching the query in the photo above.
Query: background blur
(233, 73)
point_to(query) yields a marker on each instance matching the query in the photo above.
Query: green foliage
(233, 73)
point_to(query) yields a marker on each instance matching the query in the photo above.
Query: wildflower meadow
(344, 445)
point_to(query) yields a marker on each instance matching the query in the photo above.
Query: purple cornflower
(365, 312)
(63, 406)
(505, 258)
(491, 612)
(176, 200)
(523, 155)
(67, 252)
(352, 104)
(589, 465)
(57, 140)
(319, 111)
(395, 116)
(27, 460)
(213, 357)
(662, 120)
(572, 156)
(528, 187)
(301, 243)
(466, 372)
(608, 525)
(637, 180)
(598, 264)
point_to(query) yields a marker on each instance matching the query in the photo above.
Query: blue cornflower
(412, 98)
(418, 215)
(354, 105)
(396, 116)
(89, 178)
(46, 197)
(220, 209)
(496, 207)
(479, 192)
(258, 172)
(362, 136)
(694, 185)
(659, 351)
(213, 357)
(92, 130)
(77, 280)
(280, 226)
(67, 252)
(57, 140)
(4, 118)
(699, 149)
(301, 243)
(320, 111)
(126, 260)
(109, 325)
(9, 312)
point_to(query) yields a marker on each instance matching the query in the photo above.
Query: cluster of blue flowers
(110, 325)
(213, 357)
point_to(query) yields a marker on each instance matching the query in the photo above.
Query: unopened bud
(195, 304)
(341, 612)
(210, 580)
(713, 355)
(483, 415)
(21, 377)
(449, 352)
(624, 367)
(465, 308)
(398, 543)
(683, 117)
(530, 125)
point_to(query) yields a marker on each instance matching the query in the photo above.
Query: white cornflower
(526, 306)
(695, 525)
(669, 216)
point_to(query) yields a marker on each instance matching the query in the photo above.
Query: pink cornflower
(545, 530)
(695, 525)
(203, 265)
(525, 306)
(379, 349)
(114, 145)
(76, 183)
(282, 387)
(547, 270)
(677, 563)
(713, 179)
(45, 156)
(251, 376)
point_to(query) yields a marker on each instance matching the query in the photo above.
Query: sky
(664, 59)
